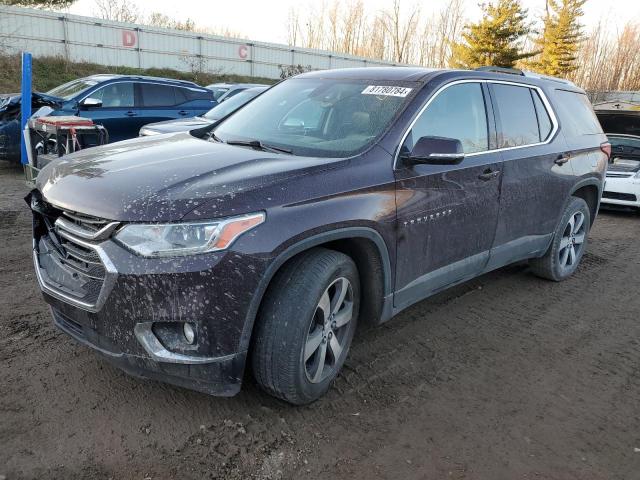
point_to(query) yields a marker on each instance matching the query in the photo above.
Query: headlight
(145, 132)
(174, 239)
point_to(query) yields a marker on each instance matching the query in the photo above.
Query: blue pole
(25, 103)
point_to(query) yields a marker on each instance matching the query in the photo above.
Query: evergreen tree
(560, 38)
(496, 39)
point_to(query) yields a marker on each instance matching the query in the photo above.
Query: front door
(447, 214)
(117, 112)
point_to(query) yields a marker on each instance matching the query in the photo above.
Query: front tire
(305, 325)
(568, 245)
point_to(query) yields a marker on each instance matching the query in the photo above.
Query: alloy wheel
(328, 331)
(572, 241)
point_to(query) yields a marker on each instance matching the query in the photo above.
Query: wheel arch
(358, 243)
(590, 191)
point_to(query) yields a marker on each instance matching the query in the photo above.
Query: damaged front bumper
(132, 309)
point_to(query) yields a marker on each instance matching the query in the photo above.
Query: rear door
(447, 214)
(117, 112)
(537, 176)
(158, 102)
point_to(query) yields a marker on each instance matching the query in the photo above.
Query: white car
(620, 120)
(622, 185)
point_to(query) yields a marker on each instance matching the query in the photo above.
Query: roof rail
(511, 71)
(524, 73)
(529, 74)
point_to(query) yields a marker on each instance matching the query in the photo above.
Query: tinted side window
(187, 95)
(576, 114)
(155, 95)
(544, 120)
(181, 95)
(115, 95)
(457, 112)
(517, 116)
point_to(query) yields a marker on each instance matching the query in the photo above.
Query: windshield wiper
(258, 145)
(215, 138)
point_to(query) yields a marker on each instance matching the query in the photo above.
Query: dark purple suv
(334, 198)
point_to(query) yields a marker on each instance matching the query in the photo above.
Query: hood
(162, 178)
(10, 103)
(179, 125)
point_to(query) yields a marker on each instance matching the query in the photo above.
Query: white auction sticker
(389, 91)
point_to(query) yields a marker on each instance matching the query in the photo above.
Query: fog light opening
(189, 333)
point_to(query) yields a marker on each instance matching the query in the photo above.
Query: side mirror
(91, 103)
(435, 151)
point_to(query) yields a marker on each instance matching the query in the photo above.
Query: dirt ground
(506, 377)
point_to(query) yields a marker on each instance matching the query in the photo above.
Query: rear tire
(568, 245)
(305, 325)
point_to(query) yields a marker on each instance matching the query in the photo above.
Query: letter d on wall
(129, 38)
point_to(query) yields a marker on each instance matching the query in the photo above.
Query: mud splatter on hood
(162, 178)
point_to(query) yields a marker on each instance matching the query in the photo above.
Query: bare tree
(157, 19)
(401, 29)
(117, 10)
(609, 62)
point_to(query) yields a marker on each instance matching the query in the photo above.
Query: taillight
(606, 149)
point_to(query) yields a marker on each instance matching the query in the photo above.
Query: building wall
(105, 42)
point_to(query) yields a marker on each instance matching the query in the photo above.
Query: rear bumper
(220, 376)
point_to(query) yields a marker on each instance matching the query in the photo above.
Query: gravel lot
(506, 377)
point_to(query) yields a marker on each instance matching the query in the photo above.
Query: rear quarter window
(184, 95)
(576, 114)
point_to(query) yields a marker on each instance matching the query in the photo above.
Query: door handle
(131, 113)
(489, 174)
(562, 159)
(183, 112)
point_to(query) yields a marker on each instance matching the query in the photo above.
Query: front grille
(629, 197)
(86, 222)
(68, 266)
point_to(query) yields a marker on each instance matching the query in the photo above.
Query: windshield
(218, 92)
(317, 117)
(234, 103)
(69, 90)
(618, 141)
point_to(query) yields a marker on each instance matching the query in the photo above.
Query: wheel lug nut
(333, 325)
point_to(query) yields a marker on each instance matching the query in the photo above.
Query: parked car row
(123, 104)
(332, 199)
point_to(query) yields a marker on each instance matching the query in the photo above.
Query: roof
(418, 74)
(236, 85)
(104, 77)
(407, 74)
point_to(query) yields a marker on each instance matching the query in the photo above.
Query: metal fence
(78, 38)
